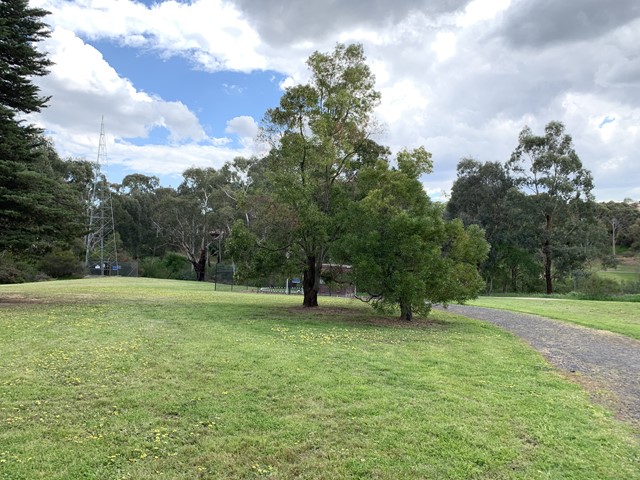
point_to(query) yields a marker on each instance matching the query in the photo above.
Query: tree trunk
(200, 265)
(405, 312)
(546, 252)
(614, 224)
(311, 283)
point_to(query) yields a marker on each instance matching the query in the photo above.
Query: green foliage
(21, 27)
(259, 261)
(40, 203)
(62, 264)
(135, 204)
(170, 266)
(401, 251)
(484, 195)
(15, 270)
(630, 287)
(620, 220)
(536, 209)
(320, 139)
(196, 217)
(549, 169)
(596, 286)
(610, 261)
(415, 163)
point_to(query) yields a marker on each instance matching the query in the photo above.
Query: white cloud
(609, 150)
(461, 77)
(167, 159)
(403, 102)
(243, 126)
(481, 10)
(444, 45)
(83, 87)
(212, 33)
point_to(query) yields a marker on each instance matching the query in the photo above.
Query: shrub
(610, 262)
(14, 269)
(172, 266)
(9, 270)
(596, 286)
(631, 287)
(62, 264)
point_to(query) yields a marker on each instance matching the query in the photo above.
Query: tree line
(325, 194)
(539, 216)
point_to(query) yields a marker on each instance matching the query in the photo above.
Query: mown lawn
(617, 317)
(147, 379)
(622, 274)
(628, 270)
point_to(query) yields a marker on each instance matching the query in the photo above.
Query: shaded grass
(618, 317)
(141, 378)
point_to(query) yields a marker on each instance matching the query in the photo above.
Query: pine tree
(21, 28)
(37, 207)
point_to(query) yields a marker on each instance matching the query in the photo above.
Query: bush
(171, 266)
(62, 264)
(14, 269)
(596, 286)
(9, 270)
(610, 262)
(631, 287)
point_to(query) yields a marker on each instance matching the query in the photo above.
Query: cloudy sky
(186, 83)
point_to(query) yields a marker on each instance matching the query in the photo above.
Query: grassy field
(618, 317)
(622, 273)
(148, 379)
(627, 271)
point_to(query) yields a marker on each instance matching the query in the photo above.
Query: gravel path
(607, 364)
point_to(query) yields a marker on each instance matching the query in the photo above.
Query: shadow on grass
(361, 316)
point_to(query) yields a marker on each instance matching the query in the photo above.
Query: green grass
(628, 274)
(627, 271)
(148, 379)
(617, 317)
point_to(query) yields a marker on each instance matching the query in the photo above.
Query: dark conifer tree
(37, 207)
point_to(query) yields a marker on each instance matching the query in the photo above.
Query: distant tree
(618, 217)
(483, 195)
(195, 215)
(550, 171)
(135, 202)
(634, 235)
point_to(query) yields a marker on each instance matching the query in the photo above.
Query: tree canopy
(320, 140)
(38, 203)
(401, 250)
(537, 205)
(327, 194)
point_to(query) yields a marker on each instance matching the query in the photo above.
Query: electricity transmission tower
(101, 256)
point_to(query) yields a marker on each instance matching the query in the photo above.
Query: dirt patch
(12, 299)
(629, 261)
(350, 315)
(602, 394)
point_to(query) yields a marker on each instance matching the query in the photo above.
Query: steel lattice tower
(102, 255)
